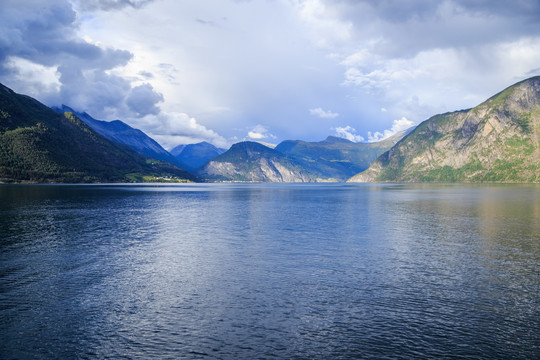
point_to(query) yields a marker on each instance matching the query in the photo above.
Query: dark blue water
(262, 271)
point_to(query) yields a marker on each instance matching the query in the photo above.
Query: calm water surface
(262, 271)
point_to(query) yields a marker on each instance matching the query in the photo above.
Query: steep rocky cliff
(496, 141)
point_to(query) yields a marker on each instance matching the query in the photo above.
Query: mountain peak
(250, 147)
(496, 141)
(335, 139)
(62, 148)
(196, 155)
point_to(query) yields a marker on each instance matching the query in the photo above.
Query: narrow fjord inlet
(229, 271)
(269, 179)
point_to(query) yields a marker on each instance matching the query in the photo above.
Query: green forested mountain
(120, 132)
(39, 145)
(337, 158)
(497, 141)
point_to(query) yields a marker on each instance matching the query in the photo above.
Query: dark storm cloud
(45, 33)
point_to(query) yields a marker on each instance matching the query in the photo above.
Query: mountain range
(496, 141)
(333, 159)
(252, 161)
(38, 144)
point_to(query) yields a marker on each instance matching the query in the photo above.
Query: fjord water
(301, 271)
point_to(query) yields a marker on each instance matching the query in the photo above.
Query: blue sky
(224, 71)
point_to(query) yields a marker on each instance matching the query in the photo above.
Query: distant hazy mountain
(122, 133)
(177, 150)
(497, 141)
(337, 158)
(39, 145)
(194, 156)
(251, 161)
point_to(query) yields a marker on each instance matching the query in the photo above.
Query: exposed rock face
(264, 171)
(497, 141)
(251, 161)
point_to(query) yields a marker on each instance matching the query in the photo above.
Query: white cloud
(323, 114)
(260, 132)
(174, 129)
(42, 80)
(362, 57)
(324, 22)
(256, 135)
(397, 126)
(348, 133)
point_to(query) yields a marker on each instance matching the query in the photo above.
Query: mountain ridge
(120, 132)
(333, 159)
(254, 162)
(496, 141)
(39, 145)
(336, 157)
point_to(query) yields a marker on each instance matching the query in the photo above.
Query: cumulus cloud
(319, 112)
(260, 132)
(323, 20)
(397, 126)
(42, 39)
(172, 129)
(432, 49)
(348, 133)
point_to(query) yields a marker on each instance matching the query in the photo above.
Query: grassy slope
(496, 141)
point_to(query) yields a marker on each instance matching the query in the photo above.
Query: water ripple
(268, 271)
